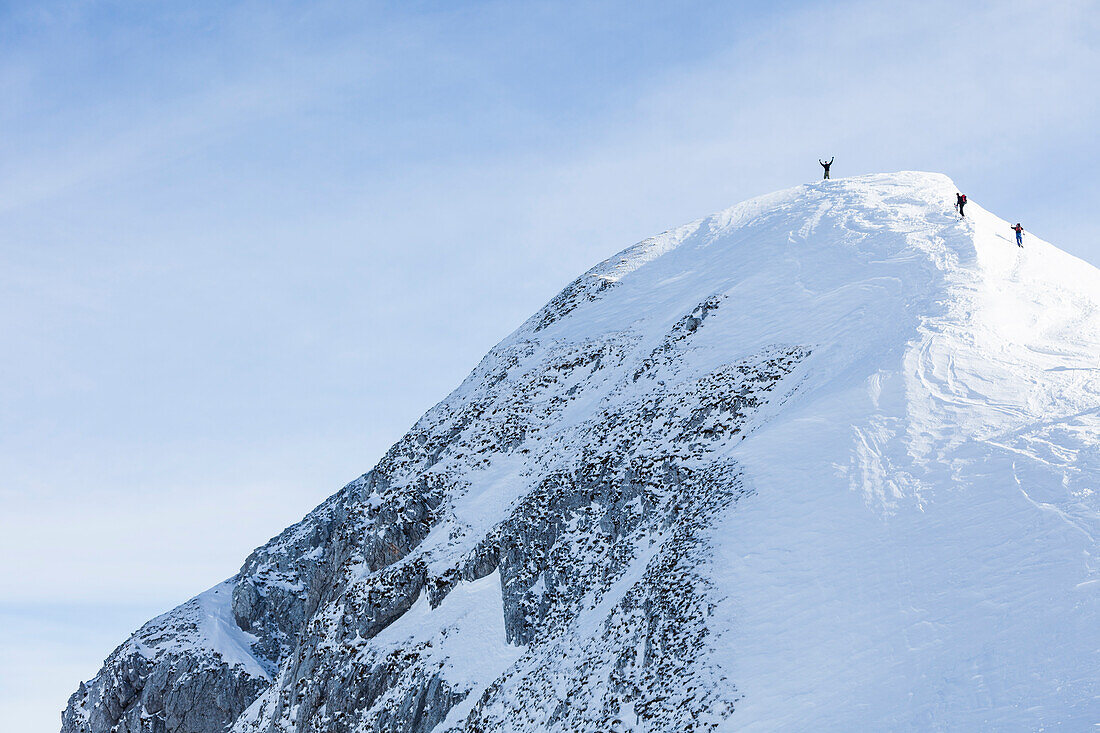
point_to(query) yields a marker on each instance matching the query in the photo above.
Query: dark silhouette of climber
(1019, 234)
(826, 166)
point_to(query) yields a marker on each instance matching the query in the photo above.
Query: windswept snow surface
(921, 548)
(210, 631)
(468, 642)
(827, 460)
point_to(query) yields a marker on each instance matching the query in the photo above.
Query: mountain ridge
(651, 472)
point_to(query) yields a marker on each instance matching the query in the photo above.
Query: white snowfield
(920, 548)
(910, 537)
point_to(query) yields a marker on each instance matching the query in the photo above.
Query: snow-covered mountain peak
(826, 459)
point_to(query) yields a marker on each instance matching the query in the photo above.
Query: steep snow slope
(825, 460)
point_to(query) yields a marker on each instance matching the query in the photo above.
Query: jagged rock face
(626, 482)
(151, 683)
(556, 545)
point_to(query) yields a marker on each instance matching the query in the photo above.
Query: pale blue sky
(243, 246)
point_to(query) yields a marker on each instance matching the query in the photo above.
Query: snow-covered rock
(826, 460)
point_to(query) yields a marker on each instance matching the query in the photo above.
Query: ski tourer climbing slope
(1019, 234)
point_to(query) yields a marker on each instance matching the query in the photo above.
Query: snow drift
(825, 460)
